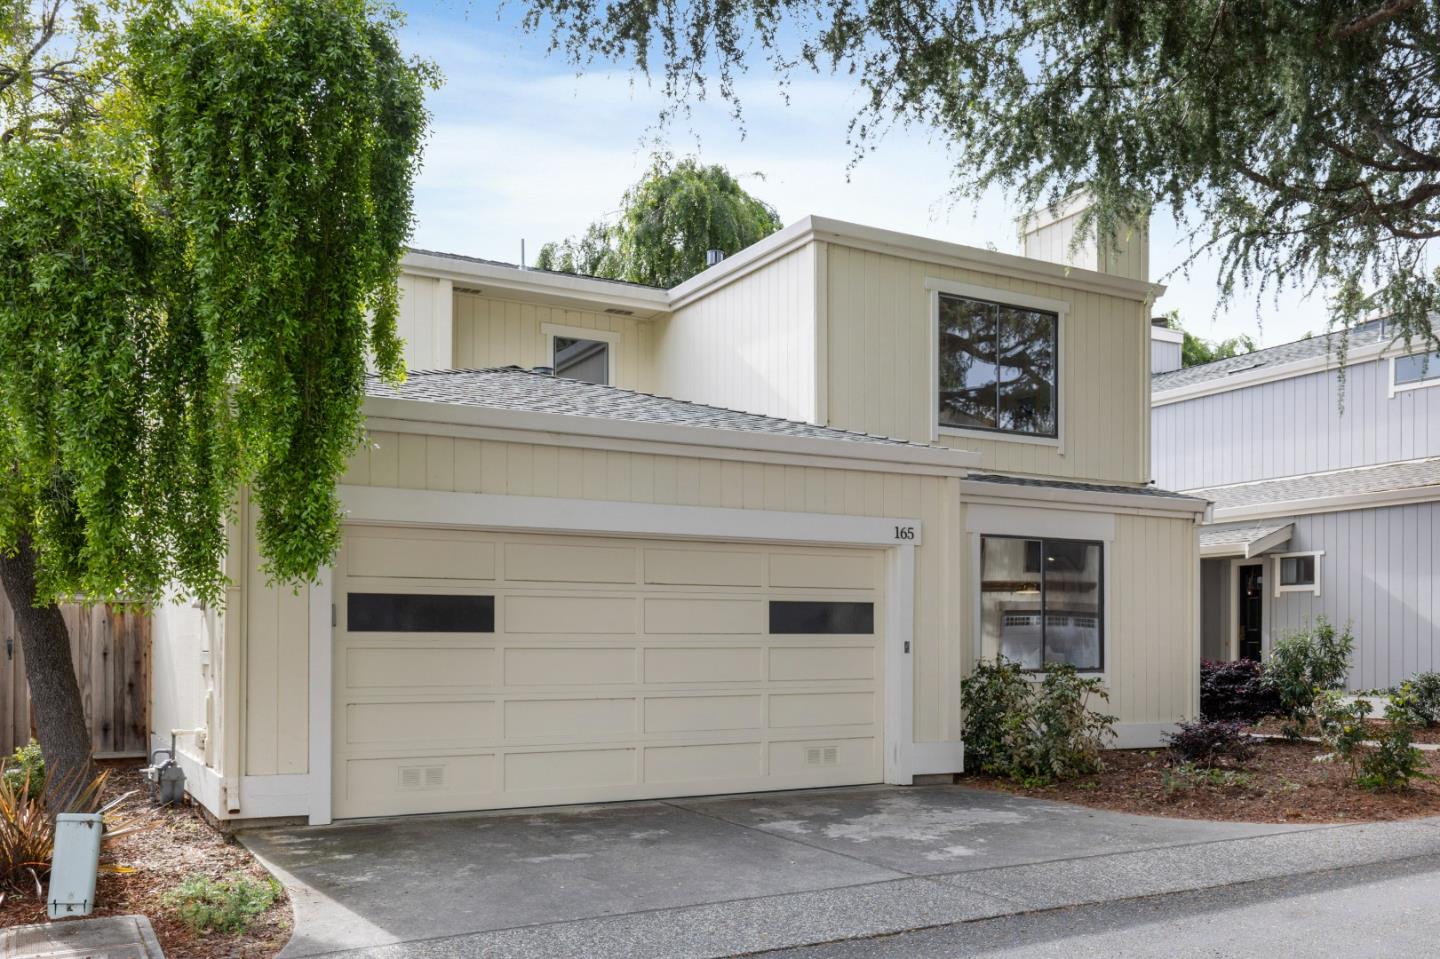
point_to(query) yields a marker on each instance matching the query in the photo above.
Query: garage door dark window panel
(420, 613)
(789, 617)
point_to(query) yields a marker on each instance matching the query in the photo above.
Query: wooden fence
(111, 649)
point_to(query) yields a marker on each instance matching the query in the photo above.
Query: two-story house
(1326, 493)
(613, 542)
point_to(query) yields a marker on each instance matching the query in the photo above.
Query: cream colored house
(751, 534)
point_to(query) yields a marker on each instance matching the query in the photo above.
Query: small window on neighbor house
(1418, 369)
(587, 360)
(1298, 573)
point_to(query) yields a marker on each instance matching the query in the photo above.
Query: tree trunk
(54, 691)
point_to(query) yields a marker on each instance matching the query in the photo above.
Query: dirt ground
(1283, 783)
(176, 843)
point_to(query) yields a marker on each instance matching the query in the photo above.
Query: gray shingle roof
(1365, 479)
(1238, 534)
(1080, 487)
(512, 388)
(1362, 335)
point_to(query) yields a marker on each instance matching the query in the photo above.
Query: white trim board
(1268, 374)
(387, 506)
(1330, 504)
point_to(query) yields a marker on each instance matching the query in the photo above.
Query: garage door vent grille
(422, 777)
(822, 756)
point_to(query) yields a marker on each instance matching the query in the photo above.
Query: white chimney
(1047, 234)
(1166, 346)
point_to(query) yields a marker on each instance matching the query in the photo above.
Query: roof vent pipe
(713, 256)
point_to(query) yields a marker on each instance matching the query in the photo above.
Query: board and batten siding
(1152, 655)
(881, 359)
(1381, 574)
(1293, 426)
(748, 345)
(491, 331)
(425, 324)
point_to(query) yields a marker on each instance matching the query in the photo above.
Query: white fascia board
(1166, 335)
(823, 229)
(972, 490)
(643, 301)
(943, 462)
(1330, 504)
(1268, 374)
(973, 258)
(1254, 547)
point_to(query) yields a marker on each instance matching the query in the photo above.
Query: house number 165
(904, 532)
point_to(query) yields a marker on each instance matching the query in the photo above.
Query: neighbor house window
(998, 367)
(578, 359)
(1298, 573)
(1418, 369)
(1042, 601)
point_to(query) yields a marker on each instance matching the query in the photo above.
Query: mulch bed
(176, 844)
(1283, 783)
(1274, 726)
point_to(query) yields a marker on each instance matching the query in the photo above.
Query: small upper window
(1417, 369)
(998, 367)
(1298, 573)
(577, 359)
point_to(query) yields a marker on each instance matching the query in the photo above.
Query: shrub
(1341, 724)
(221, 905)
(1236, 691)
(1304, 664)
(995, 699)
(1034, 733)
(1211, 743)
(27, 833)
(26, 768)
(1421, 694)
(1394, 761)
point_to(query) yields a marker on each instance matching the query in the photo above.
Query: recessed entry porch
(1236, 572)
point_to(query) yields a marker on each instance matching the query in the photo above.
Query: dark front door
(1252, 599)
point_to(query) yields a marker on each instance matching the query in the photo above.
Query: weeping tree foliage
(667, 222)
(189, 284)
(1196, 350)
(1302, 139)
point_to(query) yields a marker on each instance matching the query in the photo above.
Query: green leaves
(669, 220)
(190, 288)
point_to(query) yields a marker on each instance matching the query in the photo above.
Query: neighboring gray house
(1318, 509)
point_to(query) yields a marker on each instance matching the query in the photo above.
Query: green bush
(1033, 732)
(1421, 694)
(1341, 724)
(1388, 761)
(1304, 664)
(1394, 761)
(25, 770)
(225, 905)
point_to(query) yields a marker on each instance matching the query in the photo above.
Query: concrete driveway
(737, 875)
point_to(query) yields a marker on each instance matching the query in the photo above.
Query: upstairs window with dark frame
(1042, 602)
(577, 359)
(999, 367)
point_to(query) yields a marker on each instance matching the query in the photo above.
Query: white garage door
(486, 670)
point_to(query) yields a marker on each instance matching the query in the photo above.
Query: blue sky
(523, 148)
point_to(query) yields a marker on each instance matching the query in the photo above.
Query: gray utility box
(77, 860)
